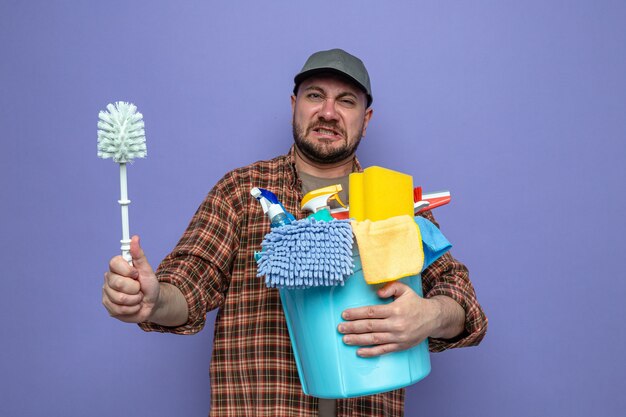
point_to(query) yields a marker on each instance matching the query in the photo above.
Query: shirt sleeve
(449, 277)
(200, 265)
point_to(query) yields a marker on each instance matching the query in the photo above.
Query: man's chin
(324, 155)
(324, 150)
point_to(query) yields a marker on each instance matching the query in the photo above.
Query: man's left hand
(399, 325)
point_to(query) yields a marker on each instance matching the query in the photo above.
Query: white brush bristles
(121, 133)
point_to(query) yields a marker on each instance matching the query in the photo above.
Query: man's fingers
(121, 283)
(370, 339)
(130, 291)
(119, 266)
(365, 326)
(369, 352)
(124, 313)
(369, 312)
(120, 298)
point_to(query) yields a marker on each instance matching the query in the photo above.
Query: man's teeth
(326, 132)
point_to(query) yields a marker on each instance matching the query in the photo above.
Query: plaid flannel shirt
(252, 370)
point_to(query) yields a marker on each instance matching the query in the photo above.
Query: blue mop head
(307, 253)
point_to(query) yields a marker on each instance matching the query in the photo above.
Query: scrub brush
(307, 253)
(121, 137)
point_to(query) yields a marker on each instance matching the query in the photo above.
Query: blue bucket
(329, 368)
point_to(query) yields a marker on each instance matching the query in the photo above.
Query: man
(252, 368)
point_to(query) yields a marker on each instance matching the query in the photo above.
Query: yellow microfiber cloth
(390, 249)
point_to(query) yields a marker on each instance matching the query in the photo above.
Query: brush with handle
(121, 136)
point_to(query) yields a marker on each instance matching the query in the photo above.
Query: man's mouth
(327, 131)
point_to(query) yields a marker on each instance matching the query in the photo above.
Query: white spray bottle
(271, 207)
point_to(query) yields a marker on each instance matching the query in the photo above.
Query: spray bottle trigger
(336, 198)
(315, 200)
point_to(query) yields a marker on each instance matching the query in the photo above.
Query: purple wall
(519, 108)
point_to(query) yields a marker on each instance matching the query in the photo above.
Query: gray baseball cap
(340, 62)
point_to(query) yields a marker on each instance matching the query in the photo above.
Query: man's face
(330, 116)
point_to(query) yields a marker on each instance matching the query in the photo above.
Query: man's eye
(314, 96)
(348, 102)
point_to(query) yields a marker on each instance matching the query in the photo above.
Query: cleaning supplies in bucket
(303, 253)
(307, 253)
(327, 367)
(390, 249)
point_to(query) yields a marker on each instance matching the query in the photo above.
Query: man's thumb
(139, 258)
(393, 289)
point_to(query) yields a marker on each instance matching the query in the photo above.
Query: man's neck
(338, 169)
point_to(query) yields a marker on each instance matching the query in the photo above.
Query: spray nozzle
(318, 199)
(270, 204)
(262, 196)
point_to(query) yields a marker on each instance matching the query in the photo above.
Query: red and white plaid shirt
(253, 372)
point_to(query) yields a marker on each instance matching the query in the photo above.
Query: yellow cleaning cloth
(390, 249)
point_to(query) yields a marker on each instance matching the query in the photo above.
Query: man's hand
(401, 324)
(130, 293)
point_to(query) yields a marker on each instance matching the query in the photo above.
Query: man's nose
(328, 111)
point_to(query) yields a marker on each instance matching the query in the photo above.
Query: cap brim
(314, 71)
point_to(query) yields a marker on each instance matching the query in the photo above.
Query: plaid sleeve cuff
(475, 322)
(197, 312)
(450, 278)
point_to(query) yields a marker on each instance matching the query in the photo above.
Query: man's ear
(293, 104)
(366, 119)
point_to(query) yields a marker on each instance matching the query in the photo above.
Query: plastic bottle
(272, 207)
(277, 216)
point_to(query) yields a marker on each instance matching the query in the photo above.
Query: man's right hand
(130, 293)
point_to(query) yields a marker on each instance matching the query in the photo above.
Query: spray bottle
(272, 207)
(316, 201)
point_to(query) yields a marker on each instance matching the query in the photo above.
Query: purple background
(519, 108)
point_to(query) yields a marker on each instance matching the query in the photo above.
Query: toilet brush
(121, 137)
